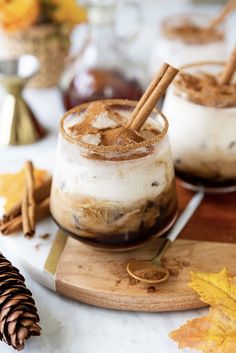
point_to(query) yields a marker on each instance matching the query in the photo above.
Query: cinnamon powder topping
(100, 117)
(191, 33)
(205, 89)
(121, 136)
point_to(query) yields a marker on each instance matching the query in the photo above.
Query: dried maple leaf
(11, 186)
(216, 289)
(214, 333)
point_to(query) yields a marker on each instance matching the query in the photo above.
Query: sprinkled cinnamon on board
(150, 274)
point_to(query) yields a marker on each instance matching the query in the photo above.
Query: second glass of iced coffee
(201, 106)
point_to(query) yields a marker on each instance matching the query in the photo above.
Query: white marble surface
(72, 327)
(69, 326)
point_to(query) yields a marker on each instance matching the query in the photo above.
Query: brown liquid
(130, 239)
(96, 84)
(214, 182)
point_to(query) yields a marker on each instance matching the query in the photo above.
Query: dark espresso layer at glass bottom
(128, 239)
(215, 182)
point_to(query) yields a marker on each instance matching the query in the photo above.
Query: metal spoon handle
(185, 216)
(179, 225)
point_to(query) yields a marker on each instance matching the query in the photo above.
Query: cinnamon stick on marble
(15, 224)
(28, 201)
(229, 69)
(40, 193)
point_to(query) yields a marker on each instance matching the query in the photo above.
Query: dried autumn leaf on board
(217, 290)
(214, 333)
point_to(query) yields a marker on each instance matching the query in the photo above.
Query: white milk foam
(202, 137)
(115, 181)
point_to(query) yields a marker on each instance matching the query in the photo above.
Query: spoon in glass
(151, 271)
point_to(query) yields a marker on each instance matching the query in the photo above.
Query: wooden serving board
(208, 243)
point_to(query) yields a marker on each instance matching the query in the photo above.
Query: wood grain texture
(215, 219)
(100, 278)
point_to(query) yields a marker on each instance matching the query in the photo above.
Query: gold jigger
(18, 125)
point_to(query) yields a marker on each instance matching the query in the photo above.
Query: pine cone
(18, 313)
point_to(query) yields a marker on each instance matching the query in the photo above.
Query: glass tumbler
(114, 197)
(203, 137)
(178, 49)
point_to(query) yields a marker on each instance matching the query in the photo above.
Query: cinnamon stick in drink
(144, 107)
(28, 201)
(229, 69)
(150, 89)
(15, 224)
(153, 93)
(228, 8)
